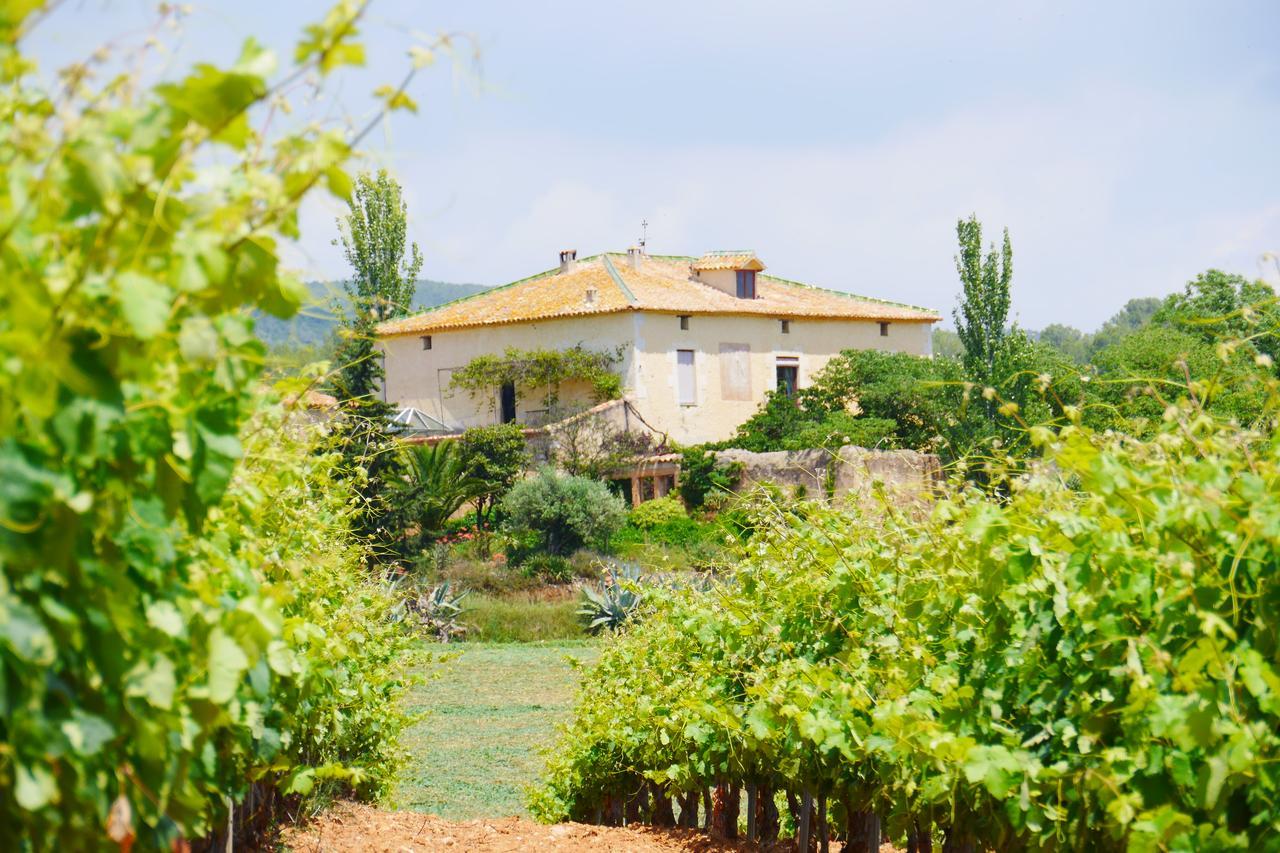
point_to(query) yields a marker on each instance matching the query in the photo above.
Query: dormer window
(730, 271)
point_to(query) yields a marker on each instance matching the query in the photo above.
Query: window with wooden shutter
(735, 372)
(686, 379)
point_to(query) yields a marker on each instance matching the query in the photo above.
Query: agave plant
(438, 611)
(610, 606)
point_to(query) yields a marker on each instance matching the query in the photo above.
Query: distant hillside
(316, 321)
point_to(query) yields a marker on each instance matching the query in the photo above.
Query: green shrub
(496, 456)
(586, 563)
(907, 400)
(658, 511)
(493, 576)
(840, 429)
(1138, 372)
(701, 474)
(549, 568)
(679, 545)
(682, 532)
(562, 513)
(1218, 307)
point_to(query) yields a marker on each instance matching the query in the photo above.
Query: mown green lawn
(490, 711)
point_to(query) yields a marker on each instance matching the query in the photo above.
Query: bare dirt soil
(350, 827)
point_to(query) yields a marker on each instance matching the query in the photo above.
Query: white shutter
(735, 371)
(686, 381)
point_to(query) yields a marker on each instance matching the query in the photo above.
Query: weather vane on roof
(644, 233)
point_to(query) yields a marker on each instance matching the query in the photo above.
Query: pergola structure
(652, 477)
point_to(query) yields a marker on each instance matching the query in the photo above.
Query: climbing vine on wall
(543, 369)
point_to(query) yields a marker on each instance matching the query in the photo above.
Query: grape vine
(1086, 659)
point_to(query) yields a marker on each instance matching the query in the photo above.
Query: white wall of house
(735, 363)
(420, 378)
(735, 360)
(725, 280)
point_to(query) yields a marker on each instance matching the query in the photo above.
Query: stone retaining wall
(849, 471)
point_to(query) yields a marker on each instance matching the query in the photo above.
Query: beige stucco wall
(711, 418)
(419, 378)
(726, 280)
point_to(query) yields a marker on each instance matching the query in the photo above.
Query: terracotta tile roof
(662, 283)
(729, 259)
(312, 399)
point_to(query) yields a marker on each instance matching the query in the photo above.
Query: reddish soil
(351, 827)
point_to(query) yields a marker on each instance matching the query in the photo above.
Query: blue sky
(1126, 146)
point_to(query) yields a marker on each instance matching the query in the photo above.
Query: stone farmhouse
(701, 339)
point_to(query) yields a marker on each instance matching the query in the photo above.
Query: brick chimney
(568, 260)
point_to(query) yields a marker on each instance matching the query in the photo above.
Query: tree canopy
(983, 312)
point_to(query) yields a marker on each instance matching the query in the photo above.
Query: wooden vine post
(720, 811)
(804, 827)
(688, 810)
(662, 813)
(864, 831)
(824, 831)
(920, 838)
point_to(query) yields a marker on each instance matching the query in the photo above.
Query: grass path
(490, 712)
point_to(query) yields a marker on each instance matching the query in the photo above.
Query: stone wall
(907, 474)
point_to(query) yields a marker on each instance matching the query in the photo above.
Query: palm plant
(435, 486)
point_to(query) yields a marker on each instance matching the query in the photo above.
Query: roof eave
(852, 318)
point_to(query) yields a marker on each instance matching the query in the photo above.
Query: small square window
(884, 330)
(426, 342)
(786, 327)
(684, 322)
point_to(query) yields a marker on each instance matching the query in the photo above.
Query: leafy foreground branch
(1089, 663)
(186, 627)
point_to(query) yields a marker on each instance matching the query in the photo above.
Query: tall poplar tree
(373, 237)
(984, 305)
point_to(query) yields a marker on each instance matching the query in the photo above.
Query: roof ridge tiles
(617, 279)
